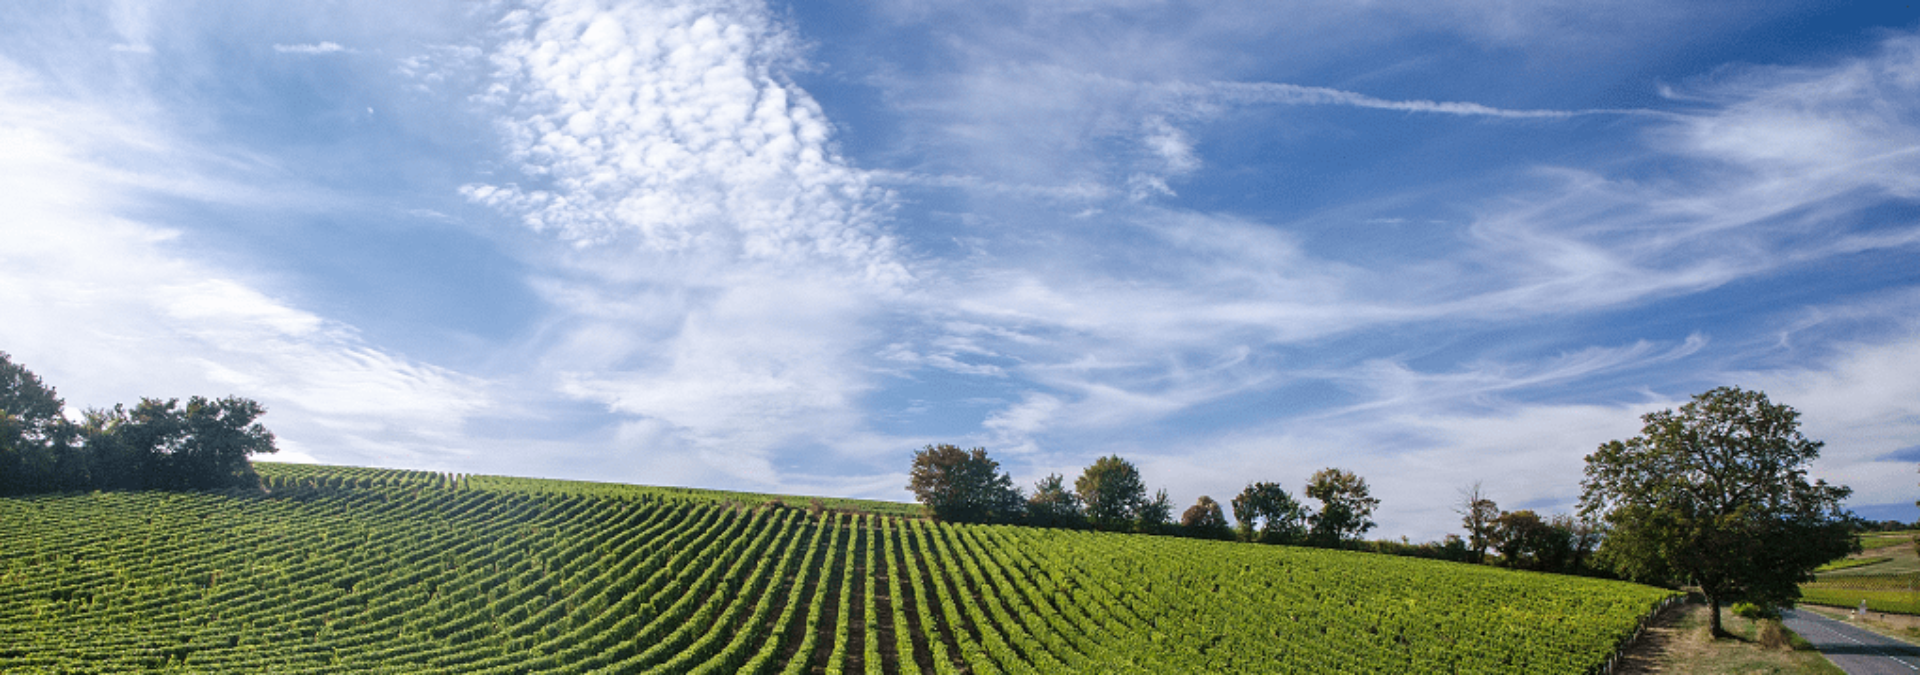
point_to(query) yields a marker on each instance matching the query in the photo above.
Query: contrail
(1293, 94)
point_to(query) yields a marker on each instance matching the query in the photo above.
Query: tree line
(158, 444)
(1713, 496)
(967, 486)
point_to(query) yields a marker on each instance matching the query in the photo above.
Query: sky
(779, 246)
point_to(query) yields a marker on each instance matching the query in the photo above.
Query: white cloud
(1293, 94)
(1811, 132)
(670, 127)
(1863, 401)
(108, 308)
(311, 49)
(725, 263)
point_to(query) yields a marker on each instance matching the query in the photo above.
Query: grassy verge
(1899, 627)
(1678, 643)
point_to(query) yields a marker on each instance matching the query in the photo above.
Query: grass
(1885, 539)
(1850, 563)
(1677, 642)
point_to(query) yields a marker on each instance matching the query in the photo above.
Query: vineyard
(1895, 593)
(364, 570)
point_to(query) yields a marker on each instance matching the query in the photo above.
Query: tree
(1155, 513)
(1477, 513)
(962, 486)
(1052, 505)
(1280, 519)
(1112, 491)
(1204, 519)
(162, 445)
(1583, 536)
(1527, 541)
(35, 440)
(1716, 495)
(159, 444)
(1346, 507)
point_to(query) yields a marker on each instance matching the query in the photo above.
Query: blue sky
(778, 247)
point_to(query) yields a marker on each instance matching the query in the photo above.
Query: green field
(362, 570)
(1851, 563)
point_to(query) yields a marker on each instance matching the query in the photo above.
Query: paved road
(1857, 651)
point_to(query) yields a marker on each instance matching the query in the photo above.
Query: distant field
(1851, 563)
(1885, 539)
(1886, 574)
(362, 570)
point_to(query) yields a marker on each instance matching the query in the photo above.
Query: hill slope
(340, 569)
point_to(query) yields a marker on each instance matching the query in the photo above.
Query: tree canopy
(1716, 494)
(35, 440)
(1112, 491)
(964, 486)
(1053, 505)
(159, 444)
(1346, 507)
(1268, 514)
(1205, 519)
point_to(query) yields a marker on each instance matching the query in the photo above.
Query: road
(1857, 651)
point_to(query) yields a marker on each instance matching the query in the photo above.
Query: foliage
(1753, 612)
(1716, 495)
(1156, 513)
(341, 569)
(156, 445)
(1204, 519)
(1346, 507)
(35, 441)
(962, 486)
(1279, 519)
(1560, 544)
(1052, 505)
(1477, 513)
(1112, 492)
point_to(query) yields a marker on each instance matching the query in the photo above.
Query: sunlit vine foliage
(364, 570)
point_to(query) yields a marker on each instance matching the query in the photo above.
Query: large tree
(1716, 495)
(1112, 492)
(161, 444)
(1346, 507)
(1268, 514)
(1204, 519)
(34, 438)
(963, 486)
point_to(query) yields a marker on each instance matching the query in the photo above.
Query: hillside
(365, 570)
(1886, 574)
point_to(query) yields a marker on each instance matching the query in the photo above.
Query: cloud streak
(1279, 93)
(311, 49)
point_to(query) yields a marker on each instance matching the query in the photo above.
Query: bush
(1772, 635)
(1753, 612)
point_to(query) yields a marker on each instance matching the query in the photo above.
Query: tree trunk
(1713, 619)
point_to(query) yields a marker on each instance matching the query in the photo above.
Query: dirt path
(1676, 642)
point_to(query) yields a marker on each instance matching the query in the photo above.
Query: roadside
(1676, 642)
(1859, 652)
(1903, 627)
